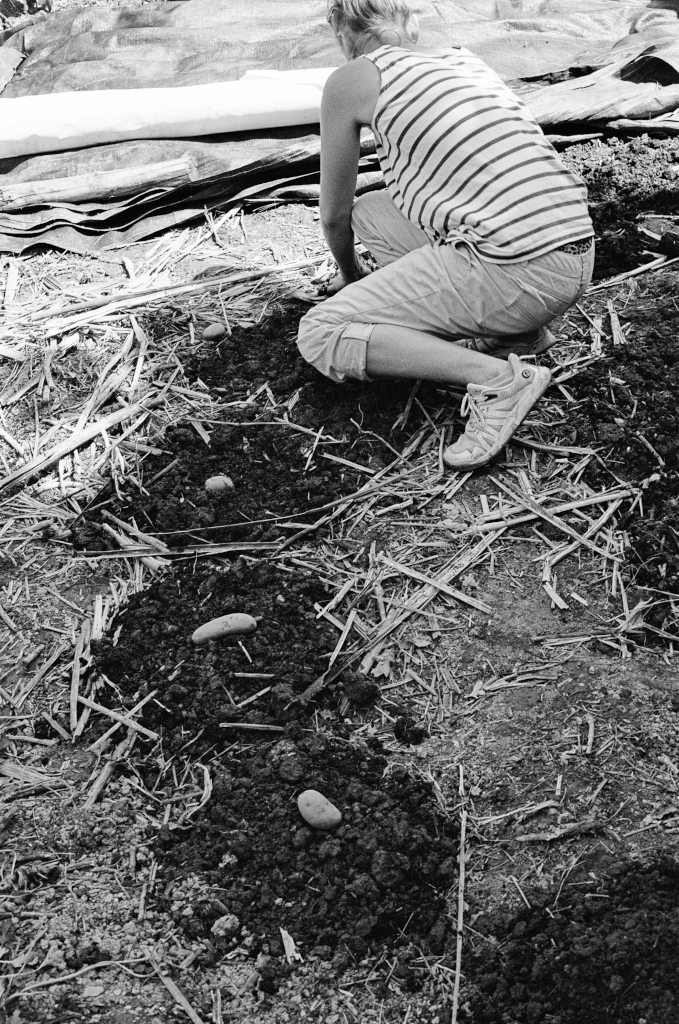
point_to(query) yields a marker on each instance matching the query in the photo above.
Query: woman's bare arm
(349, 99)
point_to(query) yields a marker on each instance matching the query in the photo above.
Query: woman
(483, 236)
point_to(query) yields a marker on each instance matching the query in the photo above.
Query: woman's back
(463, 157)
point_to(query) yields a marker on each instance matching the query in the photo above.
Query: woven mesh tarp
(202, 41)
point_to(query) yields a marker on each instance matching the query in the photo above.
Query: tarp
(646, 86)
(200, 41)
(62, 121)
(193, 42)
(96, 225)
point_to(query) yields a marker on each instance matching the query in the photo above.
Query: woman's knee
(383, 229)
(367, 214)
(335, 348)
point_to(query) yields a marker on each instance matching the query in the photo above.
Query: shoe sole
(543, 378)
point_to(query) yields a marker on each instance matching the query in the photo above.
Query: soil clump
(378, 879)
(587, 961)
(200, 688)
(625, 178)
(626, 402)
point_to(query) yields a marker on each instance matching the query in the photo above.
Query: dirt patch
(624, 178)
(199, 688)
(379, 879)
(626, 407)
(589, 960)
(270, 465)
(231, 874)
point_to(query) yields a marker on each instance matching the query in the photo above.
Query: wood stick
(345, 633)
(117, 717)
(151, 562)
(549, 517)
(146, 538)
(100, 783)
(649, 447)
(430, 581)
(8, 622)
(76, 440)
(661, 261)
(128, 299)
(553, 596)
(75, 675)
(251, 725)
(11, 441)
(42, 671)
(18, 738)
(460, 908)
(206, 550)
(55, 725)
(175, 992)
(348, 463)
(94, 747)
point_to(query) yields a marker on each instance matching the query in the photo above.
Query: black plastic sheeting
(531, 43)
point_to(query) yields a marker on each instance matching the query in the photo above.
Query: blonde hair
(366, 18)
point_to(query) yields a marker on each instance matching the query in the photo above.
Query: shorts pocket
(540, 290)
(526, 312)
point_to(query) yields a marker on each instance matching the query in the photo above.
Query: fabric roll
(62, 121)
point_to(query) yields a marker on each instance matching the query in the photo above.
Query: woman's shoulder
(353, 78)
(352, 90)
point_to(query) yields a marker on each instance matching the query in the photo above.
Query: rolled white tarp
(71, 120)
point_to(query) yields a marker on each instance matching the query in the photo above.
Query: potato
(214, 332)
(225, 625)
(218, 484)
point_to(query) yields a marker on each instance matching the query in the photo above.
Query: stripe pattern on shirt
(463, 158)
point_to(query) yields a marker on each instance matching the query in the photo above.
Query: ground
(519, 717)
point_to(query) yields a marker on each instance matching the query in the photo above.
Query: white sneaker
(530, 344)
(495, 411)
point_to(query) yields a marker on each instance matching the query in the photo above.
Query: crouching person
(482, 234)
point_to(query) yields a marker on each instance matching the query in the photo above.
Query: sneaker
(530, 344)
(495, 412)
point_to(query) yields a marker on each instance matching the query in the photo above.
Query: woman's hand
(339, 281)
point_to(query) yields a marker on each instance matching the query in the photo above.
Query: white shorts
(443, 289)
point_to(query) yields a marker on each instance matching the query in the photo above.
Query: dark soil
(378, 879)
(632, 393)
(197, 688)
(611, 955)
(381, 877)
(625, 178)
(267, 464)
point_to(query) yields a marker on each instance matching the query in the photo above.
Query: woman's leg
(383, 229)
(400, 322)
(396, 351)
(423, 293)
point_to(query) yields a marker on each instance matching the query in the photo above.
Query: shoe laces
(473, 408)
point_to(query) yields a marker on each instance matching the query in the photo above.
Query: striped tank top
(463, 158)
